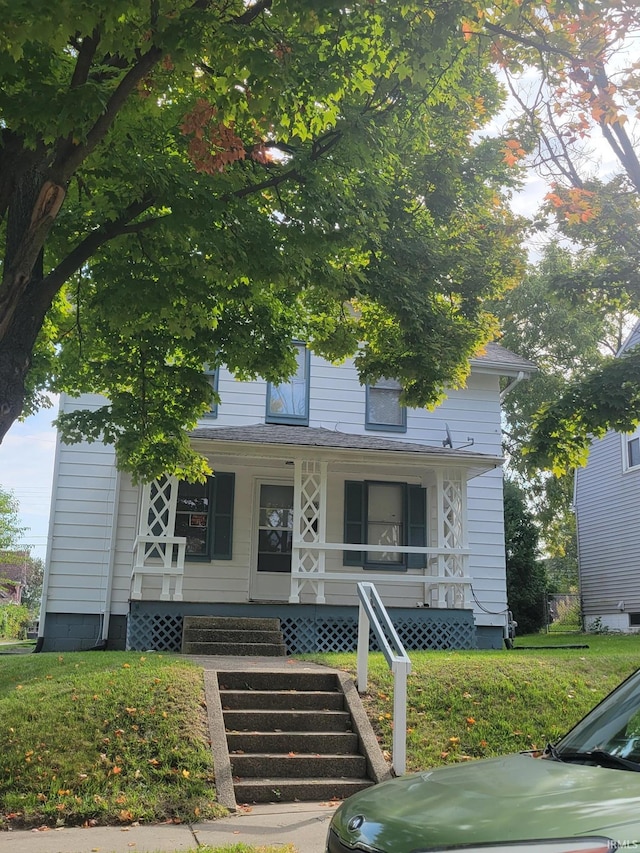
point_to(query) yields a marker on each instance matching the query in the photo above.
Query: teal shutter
(221, 516)
(354, 521)
(416, 525)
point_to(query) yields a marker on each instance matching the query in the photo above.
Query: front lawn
(103, 737)
(466, 705)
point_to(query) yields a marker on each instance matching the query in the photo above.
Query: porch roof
(301, 436)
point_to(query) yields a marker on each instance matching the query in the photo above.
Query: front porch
(355, 508)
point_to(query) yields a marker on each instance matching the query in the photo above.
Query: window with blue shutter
(381, 513)
(204, 516)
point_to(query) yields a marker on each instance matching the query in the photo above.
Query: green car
(581, 796)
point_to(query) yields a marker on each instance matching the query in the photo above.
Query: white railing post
(373, 613)
(363, 648)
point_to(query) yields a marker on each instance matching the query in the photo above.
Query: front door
(271, 573)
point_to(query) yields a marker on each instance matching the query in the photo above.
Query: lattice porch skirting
(305, 627)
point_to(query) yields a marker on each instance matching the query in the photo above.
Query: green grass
(100, 737)
(466, 705)
(114, 737)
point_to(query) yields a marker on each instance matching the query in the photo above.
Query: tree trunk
(16, 348)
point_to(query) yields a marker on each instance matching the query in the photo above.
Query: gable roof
(498, 359)
(632, 340)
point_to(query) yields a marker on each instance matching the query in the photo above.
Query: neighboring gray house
(319, 482)
(607, 504)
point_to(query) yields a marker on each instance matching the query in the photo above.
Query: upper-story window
(384, 411)
(631, 450)
(213, 378)
(288, 403)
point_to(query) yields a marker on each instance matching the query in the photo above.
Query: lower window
(204, 516)
(389, 514)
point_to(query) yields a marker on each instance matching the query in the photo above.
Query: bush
(14, 619)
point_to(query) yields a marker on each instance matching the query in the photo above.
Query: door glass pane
(384, 520)
(275, 529)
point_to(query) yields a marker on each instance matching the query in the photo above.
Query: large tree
(526, 579)
(566, 339)
(572, 69)
(197, 182)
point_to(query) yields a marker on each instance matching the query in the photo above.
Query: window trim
(213, 376)
(627, 438)
(211, 492)
(301, 420)
(377, 426)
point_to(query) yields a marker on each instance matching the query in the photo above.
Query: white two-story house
(318, 483)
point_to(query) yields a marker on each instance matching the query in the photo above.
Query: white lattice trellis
(452, 535)
(309, 529)
(156, 550)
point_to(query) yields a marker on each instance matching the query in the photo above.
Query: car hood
(505, 799)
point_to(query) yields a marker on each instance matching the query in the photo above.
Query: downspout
(518, 379)
(106, 613)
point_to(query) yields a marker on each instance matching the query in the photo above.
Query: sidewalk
(302, 824)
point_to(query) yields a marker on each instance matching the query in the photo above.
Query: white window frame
(627, 439)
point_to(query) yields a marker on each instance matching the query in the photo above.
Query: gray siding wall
(608, 515)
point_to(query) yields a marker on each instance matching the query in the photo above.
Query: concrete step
(281, 700)
(287, 721)
(336, 743)
(285, 680)
(294, 766)
(230, 635)
(268, 790)
(239, 649)
(238, 623)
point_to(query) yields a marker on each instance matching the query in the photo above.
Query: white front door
(273, 537)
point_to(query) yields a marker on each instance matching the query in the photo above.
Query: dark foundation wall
(489, 637)
(76, 632)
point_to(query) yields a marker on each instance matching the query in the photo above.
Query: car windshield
(612, 727)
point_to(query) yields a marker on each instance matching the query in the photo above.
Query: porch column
(452, 531)
(309, 529)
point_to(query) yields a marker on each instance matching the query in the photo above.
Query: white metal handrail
(372, 613)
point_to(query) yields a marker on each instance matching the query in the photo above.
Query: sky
(26, 469)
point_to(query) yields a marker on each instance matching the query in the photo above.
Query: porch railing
(159, 555)
(372, 614)
(447, 572)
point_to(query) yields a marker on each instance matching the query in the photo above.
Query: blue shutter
(354, 521)
(416, 525)
(221, 516)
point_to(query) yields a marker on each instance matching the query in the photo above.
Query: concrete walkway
(304, 825)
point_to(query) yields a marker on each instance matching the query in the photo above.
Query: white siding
(81, 523)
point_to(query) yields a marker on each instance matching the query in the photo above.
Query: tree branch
(52, 282)
(86, 52)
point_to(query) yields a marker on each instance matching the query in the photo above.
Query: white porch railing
(372, 613)
(447, 576)
(155, 556)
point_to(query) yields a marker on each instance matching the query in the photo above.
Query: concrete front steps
(295, 736)
(227, 635)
